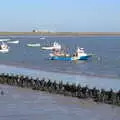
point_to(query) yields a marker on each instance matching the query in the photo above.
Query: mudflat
(20, 103)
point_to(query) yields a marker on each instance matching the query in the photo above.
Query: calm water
(100, 71)
(105, 64)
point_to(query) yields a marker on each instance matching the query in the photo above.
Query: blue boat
(64, 58)
(79, 55)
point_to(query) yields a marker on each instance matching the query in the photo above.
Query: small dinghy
(42, 38)
(4, 40)
(14, 42)
(33, 45)
(56, 46)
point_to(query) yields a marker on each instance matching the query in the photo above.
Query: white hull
(4, 50)
(33, 45)
(14, 42)
(56, 46)
(42, 38)
(3, 40)
(48, 48)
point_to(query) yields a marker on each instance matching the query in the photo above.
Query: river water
(103, 67)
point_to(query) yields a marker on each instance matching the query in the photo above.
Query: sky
(60, 15)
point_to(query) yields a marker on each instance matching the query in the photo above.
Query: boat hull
(84, 57)
(4, 51)
(33, 45)
(47, 48)
(14, 42)
(69, 58)
(50, 48)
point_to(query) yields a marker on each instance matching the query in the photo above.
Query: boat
(14, 42)
(4, 40)
(42, 38)
(56, 46)
(4, 48)
(79, 55)
(33, 45)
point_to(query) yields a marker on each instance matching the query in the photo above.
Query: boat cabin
(3, 46)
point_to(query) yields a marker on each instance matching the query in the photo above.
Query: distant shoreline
(62, 33)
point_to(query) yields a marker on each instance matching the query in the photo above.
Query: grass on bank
(62, 33)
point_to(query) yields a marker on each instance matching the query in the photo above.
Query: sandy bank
(63, 33)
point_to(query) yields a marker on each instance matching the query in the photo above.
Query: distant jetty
(63, 33)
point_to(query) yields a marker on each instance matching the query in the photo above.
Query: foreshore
(21, 103)
(26, 97)
(50, 86)
(63, 33)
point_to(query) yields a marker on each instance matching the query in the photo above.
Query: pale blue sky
(60, 15)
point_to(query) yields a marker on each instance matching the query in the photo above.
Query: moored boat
(4, 48)
(79, 55)
(14, 42)
(4, 40)
(56, 46)
(42, 38)
(33, 45)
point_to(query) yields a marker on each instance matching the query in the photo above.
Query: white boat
(56, 46)
(4, 48)
(33, 45)
(3, 40)
(42, 38)
(14, 42)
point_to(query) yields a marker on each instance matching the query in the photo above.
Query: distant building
(35, 30)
